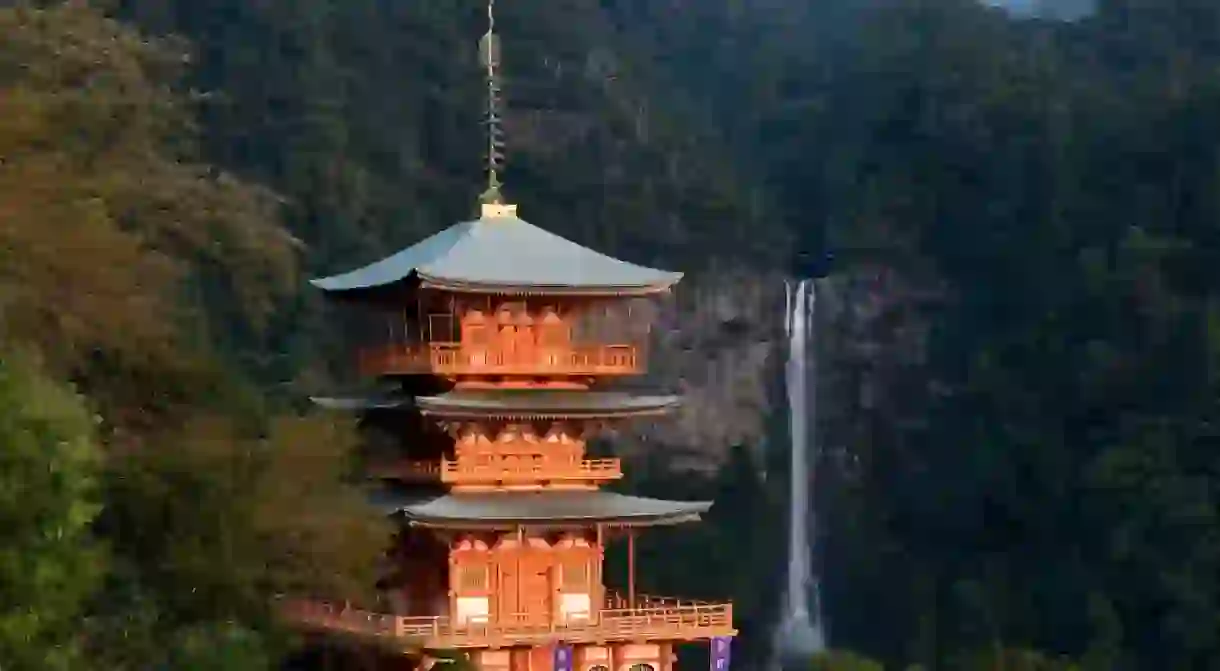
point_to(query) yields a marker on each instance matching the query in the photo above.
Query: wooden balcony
(655, 620)
(530, 473)
(407, 471)
(525, 474)
(451, 359)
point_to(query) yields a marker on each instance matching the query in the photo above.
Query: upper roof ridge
(499, 252)
(498, 210)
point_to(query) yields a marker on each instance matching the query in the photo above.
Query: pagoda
(496, 347)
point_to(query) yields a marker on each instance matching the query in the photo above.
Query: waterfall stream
(801, 632)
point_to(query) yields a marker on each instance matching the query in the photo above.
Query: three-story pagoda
(496, 345)
(499, 339)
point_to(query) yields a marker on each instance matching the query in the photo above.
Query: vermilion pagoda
(498, 342)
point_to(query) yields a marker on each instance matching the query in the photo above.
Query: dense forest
(1017, 220)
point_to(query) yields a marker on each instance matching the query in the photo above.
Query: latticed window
(478, 335)
(472, 578)
(575, 576)
(554, 333)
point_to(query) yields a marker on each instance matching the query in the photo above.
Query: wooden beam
(631, 568)
(519, 551)
(599, 585)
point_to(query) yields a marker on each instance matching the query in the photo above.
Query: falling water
(801, 632)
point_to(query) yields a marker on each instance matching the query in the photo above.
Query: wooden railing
(454, 359)
(676, 622)
(528, 472)
(412, 471)
(616, 601)
(459, 474)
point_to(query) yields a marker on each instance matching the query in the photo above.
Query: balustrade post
(631, 569)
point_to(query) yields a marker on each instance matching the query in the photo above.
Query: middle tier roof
(504, 510)
(514, 403)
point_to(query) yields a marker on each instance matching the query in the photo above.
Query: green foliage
(219, 646)
(49, 563)
(452, 660)
(104, 210)
(123, 259)
(838, 660)
(1035, 459)
(279, 520)
(1011, 660)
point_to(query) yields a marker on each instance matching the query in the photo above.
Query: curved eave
(333, 289)
(331, 286)
(570, 405)
(446, 408)
(505, 255)
(458, 285)
(502, 525)
(355, 403)
(543, 509)
(467, 413)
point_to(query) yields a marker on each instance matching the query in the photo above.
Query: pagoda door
(542, 658)
(510, 591)
(536, 594)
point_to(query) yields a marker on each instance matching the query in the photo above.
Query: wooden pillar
(423, 333)
(631, 568)
(599, 585)
(453, 583)
(520, 551)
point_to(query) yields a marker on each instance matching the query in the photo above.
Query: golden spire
(492, 200)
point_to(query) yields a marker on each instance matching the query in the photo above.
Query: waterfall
(801, 632)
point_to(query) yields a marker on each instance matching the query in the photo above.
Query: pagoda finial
(491, 196)
(489, 54)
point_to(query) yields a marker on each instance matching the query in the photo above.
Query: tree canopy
(50, 563)
(119, 246)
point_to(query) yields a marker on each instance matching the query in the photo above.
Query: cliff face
(716, 341)
(719, 341)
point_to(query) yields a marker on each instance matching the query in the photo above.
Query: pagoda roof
(361, 402)
(509, 509)
(523, 403)
(496, 254)
(544, 403)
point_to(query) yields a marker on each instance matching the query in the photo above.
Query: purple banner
(563, 657)
(722, 648)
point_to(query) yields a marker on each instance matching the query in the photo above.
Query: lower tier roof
(542, 508)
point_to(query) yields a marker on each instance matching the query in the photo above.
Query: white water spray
(801, 632)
